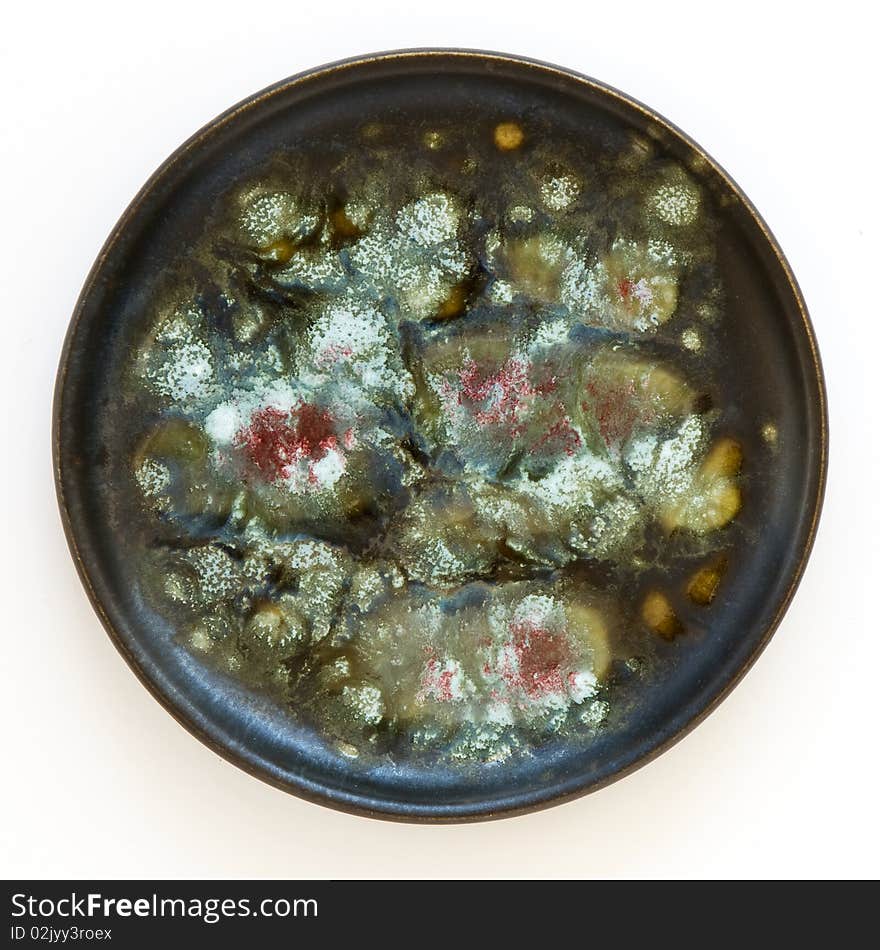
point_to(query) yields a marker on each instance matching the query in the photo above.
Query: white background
(98, 781)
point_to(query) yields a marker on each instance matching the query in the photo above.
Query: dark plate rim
(352, 803)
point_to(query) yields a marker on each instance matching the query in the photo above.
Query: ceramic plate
(440, 435)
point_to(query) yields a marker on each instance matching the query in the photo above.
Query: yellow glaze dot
(703, 585)
(433, 140)
(658, 614)
(508, 136)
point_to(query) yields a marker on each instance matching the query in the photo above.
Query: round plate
(767, 393)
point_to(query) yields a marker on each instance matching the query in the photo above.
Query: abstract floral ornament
(434, 438)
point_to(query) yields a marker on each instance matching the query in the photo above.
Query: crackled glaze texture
(430, 438)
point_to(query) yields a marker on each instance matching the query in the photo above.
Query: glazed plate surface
(440, 435)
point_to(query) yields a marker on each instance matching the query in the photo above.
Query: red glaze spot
(617, 410)
(546, 386)
(444, 686)
(625, 287)
(506, 393)
(333, 354)
(276, 439)
(436, 683)
(541, 659)
(561, 435)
